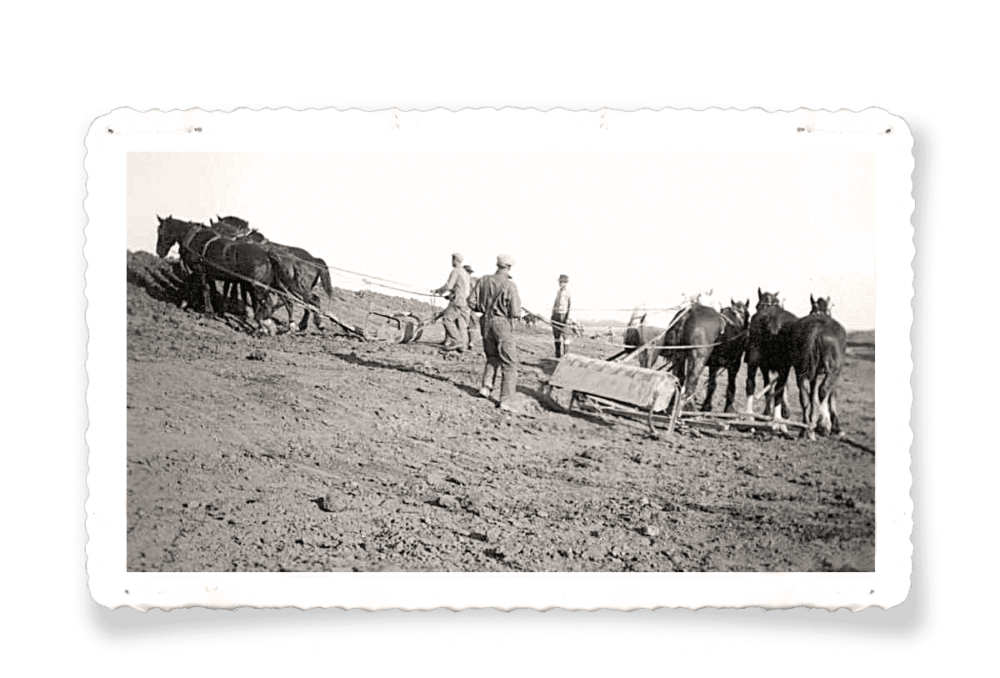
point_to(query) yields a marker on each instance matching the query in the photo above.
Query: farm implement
(401, 328)
(618, 389)
(653, 396)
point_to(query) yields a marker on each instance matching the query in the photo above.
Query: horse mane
(230, 227)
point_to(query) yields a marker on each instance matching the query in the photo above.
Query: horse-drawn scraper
(619, 389)
(401, 328)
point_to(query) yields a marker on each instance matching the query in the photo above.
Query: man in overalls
(496, 297)
(455, 317)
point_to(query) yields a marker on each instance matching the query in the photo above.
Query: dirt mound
(312, 451)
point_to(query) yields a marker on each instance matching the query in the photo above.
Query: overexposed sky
(627, 227)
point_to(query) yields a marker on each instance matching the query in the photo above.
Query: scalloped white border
(124, 130)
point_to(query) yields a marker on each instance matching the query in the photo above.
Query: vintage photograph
(635, 342)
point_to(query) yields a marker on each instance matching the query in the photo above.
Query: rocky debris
(332, 502)
(474, 503)
(448, 502)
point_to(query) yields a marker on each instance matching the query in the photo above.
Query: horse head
(255, 237)
(166, 234)
(740, 312)
(766, 299)
(820, 306)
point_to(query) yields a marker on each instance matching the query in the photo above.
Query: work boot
(485, 392)
(558, 350)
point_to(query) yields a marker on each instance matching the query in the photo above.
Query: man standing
(455, 317)
(496, 297)
(470, 320)
(560, 316)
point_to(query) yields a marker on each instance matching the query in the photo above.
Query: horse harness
(189, 238)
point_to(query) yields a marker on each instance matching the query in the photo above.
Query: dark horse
(767, 350)
(698, 332)
(817, 345)
(230, 227)
(212, 257)
(703, 336)
(300, 272)
(728, 355)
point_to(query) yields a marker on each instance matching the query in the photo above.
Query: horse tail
(324, 278)
(285, 274)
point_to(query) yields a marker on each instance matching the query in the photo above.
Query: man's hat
(505, 261)
(563, 278)
(468, 269)
(456, 255)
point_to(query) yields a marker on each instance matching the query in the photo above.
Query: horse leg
(835, 428)
(731, 372)
(780, 394)
(230, 295)
(206, 292)
(815, 407)
(262, 309)
(751, 385)
(826, 397)
(765, 378)
(822, 402)
(316, 317)
(247, 299)
(804, 399)
(713, 372)
(304, 324)
(695, 365)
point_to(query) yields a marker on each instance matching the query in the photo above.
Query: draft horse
(699, 334)
(817, 345)
(767, 350)
(702, 337)
(212, 257)
(728, 355)
(300, 273)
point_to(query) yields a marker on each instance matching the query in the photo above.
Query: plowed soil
(313, 451)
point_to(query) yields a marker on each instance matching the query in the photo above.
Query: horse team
(249, 266)
(774, 341)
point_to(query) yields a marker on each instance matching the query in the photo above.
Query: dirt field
(316, 452)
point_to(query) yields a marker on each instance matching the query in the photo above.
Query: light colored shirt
(457, 285)
(562, 302)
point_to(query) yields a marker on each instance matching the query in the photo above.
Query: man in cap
(560, 316)
(496, 297)
(455, 316)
